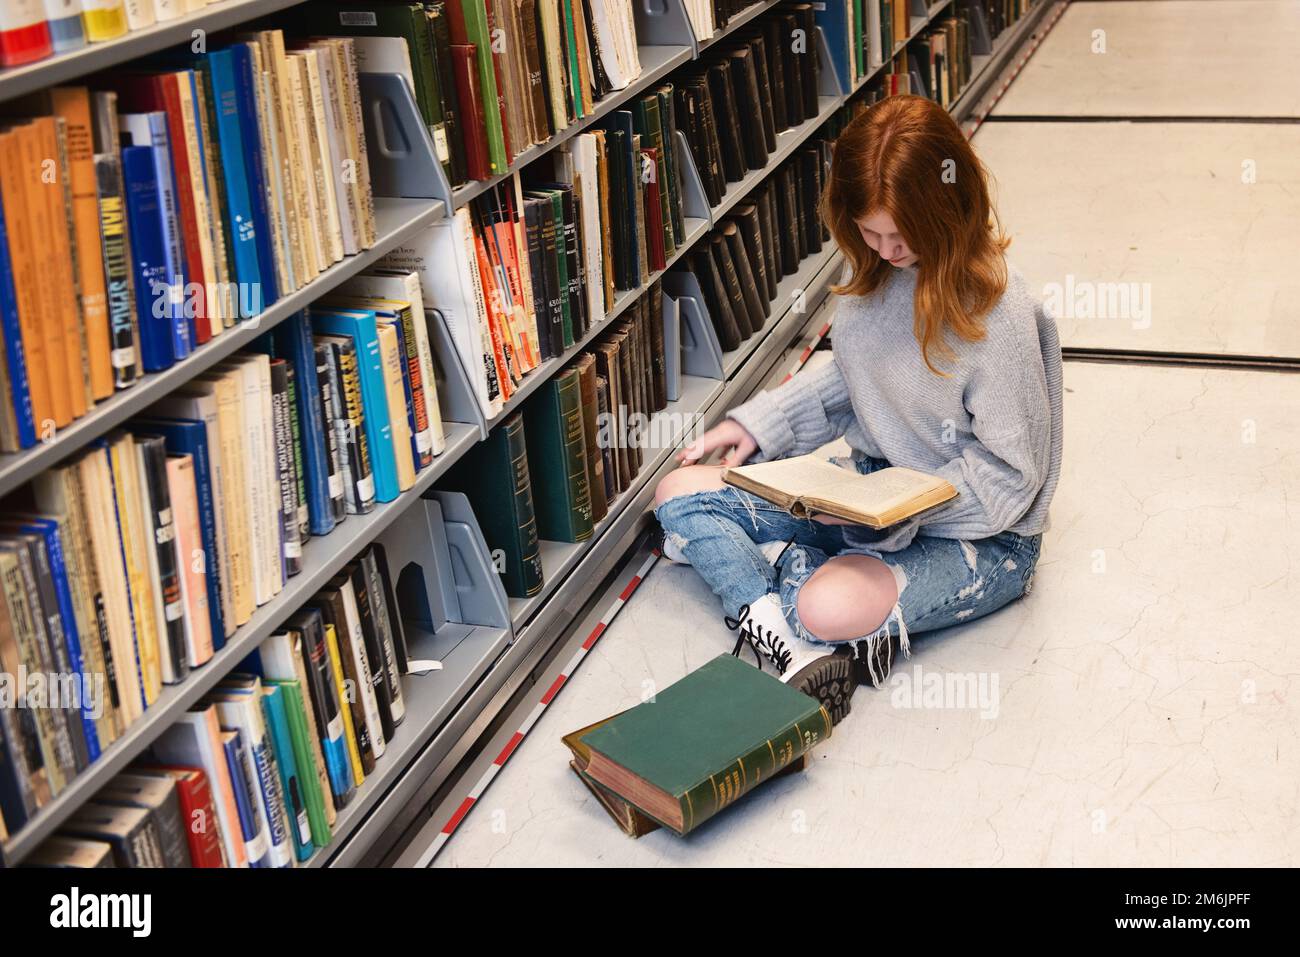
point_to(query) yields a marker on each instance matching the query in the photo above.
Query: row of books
(270, 757)
(863, 35)
(492, 78)
(144, 218)
(528, 268)
(739, 265)
(747, 92)
(133, 563)
(709, 16)
(552, 470)
(32, 30)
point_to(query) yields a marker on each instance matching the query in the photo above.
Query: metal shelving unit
(478, 677)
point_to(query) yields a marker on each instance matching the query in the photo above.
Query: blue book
(258, 185)
(359, 325)
(150, 129)
(190, 437)
(148, 257)
(20, 396)
(48, 529)
(291, 340)
(63, 17)
(241, 226)
(833, 18)
(277, 722)
(251, 823)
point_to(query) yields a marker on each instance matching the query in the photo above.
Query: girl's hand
(730, 435)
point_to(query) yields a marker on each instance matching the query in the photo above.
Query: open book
(806, 485)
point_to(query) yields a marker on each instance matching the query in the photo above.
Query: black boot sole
(884, 662)
(831, 681)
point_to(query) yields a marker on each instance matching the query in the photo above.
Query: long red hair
(905, 155)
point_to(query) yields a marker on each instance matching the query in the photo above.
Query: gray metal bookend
(695, 202)
(828, 81)
(403, 159)
(981, 40)
(664, 23)
(456, 399)
(479, 591)
(701, 352)
(672, 319)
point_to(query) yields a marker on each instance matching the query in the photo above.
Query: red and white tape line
(1038, 39)
(521, 732)
(808, 351)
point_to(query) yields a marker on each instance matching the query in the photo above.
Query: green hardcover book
(304, 760)
(668, 120)
(704, 742)
(571, 47)
(557, 459)
(646, 121)
(859, 24)
(470, 18)
(494, 476)
(557, 264)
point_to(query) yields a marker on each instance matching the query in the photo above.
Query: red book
(24, 37)
(465, 68)
(654, 224)
(202, 828)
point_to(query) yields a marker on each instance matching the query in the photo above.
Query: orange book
(495, 319)
(73, 104)
(13, 196)
(57, 194)
(32, 181)
(189, 556)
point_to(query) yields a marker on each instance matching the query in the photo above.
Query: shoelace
(761, 641)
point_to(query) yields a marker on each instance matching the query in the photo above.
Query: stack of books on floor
(529, 268)
(554, 468)
(699, 746)
(271, 756)
(745, 93)
(739, 265)
(135, 561)
(146, 215)
(492, 79)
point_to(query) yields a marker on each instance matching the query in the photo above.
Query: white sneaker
(821, 671)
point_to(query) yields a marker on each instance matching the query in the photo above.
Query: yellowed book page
(873, 498)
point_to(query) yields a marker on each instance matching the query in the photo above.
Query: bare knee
(687, 481)
(847, 598)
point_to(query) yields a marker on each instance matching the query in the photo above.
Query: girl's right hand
(729, 435)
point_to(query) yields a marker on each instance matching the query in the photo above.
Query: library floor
(1141, 705)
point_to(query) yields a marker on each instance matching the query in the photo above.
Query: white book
(140, 14)
(271, 478)
(165, 10)
(875, 46)
(587, 177)
(300, 143)
(449, 282)
(332, 222)
(239, 708)
(332, 115)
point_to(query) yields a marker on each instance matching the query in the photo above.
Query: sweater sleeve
(799, 416)
(998, 476)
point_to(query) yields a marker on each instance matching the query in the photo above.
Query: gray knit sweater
(993, 429)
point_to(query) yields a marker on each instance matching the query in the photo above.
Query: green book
(704, 742)
(475, 17)
(494, 476)
(571, 46)
(557, 459)
(558, 265)
(304, 759)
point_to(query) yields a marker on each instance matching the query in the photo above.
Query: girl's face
(881, 234)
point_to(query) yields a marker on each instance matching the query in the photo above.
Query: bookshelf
(481, 666)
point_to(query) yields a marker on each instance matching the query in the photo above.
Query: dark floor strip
(1197, 359)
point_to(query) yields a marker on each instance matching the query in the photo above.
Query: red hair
(906, 156)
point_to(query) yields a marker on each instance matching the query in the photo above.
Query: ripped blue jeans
(941, 581)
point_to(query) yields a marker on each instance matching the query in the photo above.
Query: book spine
(297, 453)
(153, 458)
(335, 471)
(282, 437)
(737, 779)
(363, 480)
